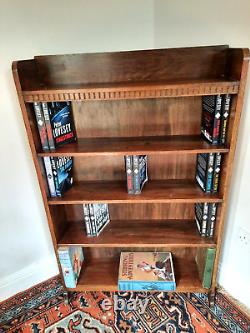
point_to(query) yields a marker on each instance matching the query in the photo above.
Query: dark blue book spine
(209, 173)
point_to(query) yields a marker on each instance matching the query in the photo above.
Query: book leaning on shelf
(205, 263)
(208, 168)
(142, 271)
(205, 217)
(55, 124)
(215, 115)
(96, 217)
(71, 259)
(59, 172)
(136, 168)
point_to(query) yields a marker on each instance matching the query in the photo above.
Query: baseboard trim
(27, 277)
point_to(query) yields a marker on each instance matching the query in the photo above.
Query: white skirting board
(27, 277)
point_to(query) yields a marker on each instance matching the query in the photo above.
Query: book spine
(143, 170)
(93, 220)
(208, 269)
(105, 219)
(41, 125)
(55, 175)
(212, 219)
(129, 172)
(146, 286)
(201, 167)
(136, 174)
(209, 173)
(48, 126)
(87, 220)
(216, 175)
(217, 120)
(225, 118)
(67, 268)
(50, 177)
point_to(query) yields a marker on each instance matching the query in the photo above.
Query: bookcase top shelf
(136, 146)
(138, 233)
(131, 74)
(162, 191)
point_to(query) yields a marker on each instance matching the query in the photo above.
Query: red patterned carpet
(42, 309)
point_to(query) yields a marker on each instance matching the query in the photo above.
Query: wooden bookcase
(139, 102)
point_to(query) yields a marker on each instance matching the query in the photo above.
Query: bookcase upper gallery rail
(192, 144)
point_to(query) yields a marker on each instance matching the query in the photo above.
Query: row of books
(215, 115)
(55, 124)
(208, 169)
(205, 217)
(138, 271)
(136, 167)
(96, 217)
(59, 172)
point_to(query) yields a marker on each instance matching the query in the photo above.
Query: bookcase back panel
(174, 166)
(180, 211)
(141, 117)
(132, 66)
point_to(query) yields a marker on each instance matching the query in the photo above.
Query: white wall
(29, 28)
(193, 23)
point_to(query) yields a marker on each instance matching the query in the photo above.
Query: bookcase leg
(211, 298)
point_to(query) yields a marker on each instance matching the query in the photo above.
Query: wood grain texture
(182, 190)
(138, 233)
(102, 275)
(156, 145)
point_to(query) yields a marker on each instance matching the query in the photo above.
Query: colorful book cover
(99, 216)
(62, 168)
(211, 118)
(62, 123)
(205, 264)
(41, 125)
(71, 259)
(225, 117)
(143, 271)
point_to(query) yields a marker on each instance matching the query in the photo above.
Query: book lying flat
(146, 271)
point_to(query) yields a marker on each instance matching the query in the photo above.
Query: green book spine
(208, 269)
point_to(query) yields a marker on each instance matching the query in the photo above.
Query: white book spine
(50, 178)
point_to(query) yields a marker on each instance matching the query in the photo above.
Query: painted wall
(193, 23)
(29, 28)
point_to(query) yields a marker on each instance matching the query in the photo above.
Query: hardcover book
(204, 171)
(216, 175)
(50, 137)
(211, 219)
(201, 217)
(50, 177)
(129, 172)
(205, 263)
(224, 117)
(71, 259)
(211, 117)
(62, 123)
(41, 125)
(140, 172)
(62, 168)
(146, 271)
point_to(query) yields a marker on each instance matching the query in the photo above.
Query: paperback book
(204, 171)
(71, 259)
(137, 172)
(205, 217)
(41, 125)
(142, 271)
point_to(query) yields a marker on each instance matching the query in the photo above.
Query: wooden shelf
(162, 191)
(133, 90)
(193, 144)
(102, 275)
(138, 233)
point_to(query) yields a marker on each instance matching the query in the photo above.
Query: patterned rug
(42, 309)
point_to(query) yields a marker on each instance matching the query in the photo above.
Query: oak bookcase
(138, 102)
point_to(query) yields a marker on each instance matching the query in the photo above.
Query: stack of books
(205, 217)
(142, 271)
(59, 172)
(215, 115)
(71, 260)
(55, 124)
(137, 172)
(96, 217)
(208, 168)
